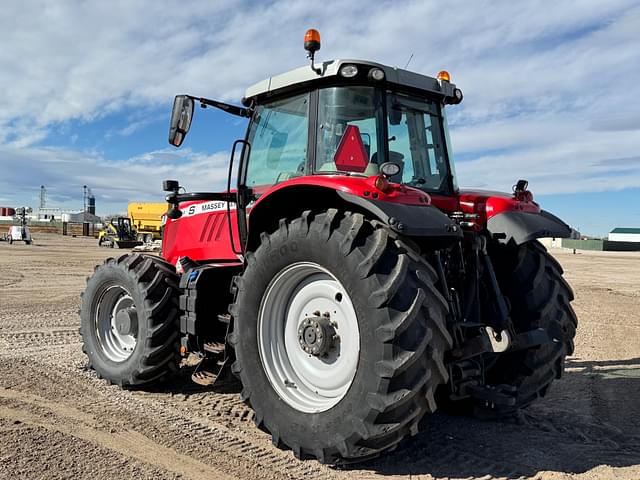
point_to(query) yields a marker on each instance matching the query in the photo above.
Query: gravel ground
(57, 420)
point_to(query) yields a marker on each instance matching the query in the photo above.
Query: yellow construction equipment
(118, 233)
(147, 219)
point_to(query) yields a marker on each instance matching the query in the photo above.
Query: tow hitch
(488, 341)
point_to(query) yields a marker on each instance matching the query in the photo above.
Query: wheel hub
(317, 334)
(127, 321)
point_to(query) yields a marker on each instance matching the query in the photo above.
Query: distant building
(52, 213)
(81, 217)
(622, 234)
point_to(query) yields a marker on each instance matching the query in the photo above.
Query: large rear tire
(129, 320)
(367, 389)
(540, 298)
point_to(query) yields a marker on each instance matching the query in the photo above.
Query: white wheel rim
(116, 346)
(308, 383)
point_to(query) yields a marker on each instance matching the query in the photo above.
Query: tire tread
(157, 282)
(402, 284)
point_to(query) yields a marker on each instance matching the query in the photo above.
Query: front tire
(129, 320)
(393, 346)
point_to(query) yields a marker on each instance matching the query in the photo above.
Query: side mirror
(394, 110)
(181, 116)
(395, 114)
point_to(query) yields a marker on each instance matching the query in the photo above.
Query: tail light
(382, 184)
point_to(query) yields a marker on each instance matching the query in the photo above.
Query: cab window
(278, 138)
(416, 141)
(348, 135)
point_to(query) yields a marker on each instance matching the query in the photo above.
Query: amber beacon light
(444, 76)
(312, 41)
(312, 45)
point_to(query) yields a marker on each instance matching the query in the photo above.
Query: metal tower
(43, 192)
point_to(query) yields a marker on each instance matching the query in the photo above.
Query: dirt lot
(57, 420)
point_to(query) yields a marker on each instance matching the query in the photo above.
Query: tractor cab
(347, 117)
(123, 227)
(348, 125)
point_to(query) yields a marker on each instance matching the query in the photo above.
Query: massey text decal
(206, 207)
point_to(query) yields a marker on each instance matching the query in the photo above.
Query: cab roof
(306, 77)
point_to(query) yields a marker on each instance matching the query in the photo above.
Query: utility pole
(43, 200)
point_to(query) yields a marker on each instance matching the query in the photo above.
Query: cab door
(276, 150)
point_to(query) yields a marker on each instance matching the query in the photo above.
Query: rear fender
(421, 220)
(411, 220)
(513, 227)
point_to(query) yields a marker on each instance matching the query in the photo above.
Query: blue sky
(551, 92)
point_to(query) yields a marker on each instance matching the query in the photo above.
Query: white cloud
(114, 182)
(554, 86)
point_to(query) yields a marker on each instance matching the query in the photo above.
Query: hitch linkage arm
(503, 321)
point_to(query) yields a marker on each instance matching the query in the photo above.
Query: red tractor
(344, 278)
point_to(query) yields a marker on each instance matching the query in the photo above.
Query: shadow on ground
(590, 418)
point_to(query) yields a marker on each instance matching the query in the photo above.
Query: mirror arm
(232, 109)
(177, 198)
